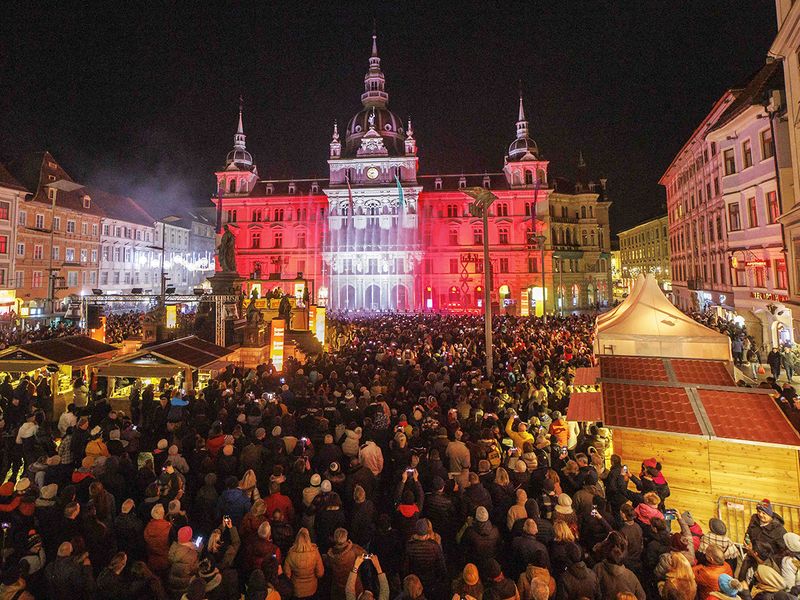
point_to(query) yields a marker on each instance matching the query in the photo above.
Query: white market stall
(647, 324)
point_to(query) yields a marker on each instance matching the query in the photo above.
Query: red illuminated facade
(379, 235)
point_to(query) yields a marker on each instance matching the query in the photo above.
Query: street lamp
(482, 199)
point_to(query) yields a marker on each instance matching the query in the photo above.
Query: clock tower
(371, 249)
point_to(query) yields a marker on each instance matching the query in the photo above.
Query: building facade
(127, 257)
(786, 49)
(58, 235)
(697, 220)
(753, 141)
(12, 194)
(379, 235)
(644, 249)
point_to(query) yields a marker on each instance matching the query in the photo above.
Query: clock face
(372, 173)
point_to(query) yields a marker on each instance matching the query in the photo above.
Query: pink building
(378, 234)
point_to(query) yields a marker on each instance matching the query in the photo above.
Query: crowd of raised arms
(390, 467)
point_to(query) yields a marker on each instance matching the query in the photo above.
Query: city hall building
(378, 234)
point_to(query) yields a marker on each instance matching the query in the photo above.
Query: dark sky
(142, 97)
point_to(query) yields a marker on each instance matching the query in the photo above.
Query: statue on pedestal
(226, 252)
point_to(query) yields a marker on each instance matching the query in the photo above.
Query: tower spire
(240, 129)
(522, 122)
(581, 162)
(374, 81)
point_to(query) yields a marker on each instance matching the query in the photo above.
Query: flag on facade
(402, 201)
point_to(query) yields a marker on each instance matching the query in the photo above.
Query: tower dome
(239, 158)
(522, 148)
(375, 119)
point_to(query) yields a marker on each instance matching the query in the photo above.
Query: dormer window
(437, 183)
(292, 187)
(314, 187)
(270, 189)
(87, 202)
(51, 194)
(462, 182)
(487, 182)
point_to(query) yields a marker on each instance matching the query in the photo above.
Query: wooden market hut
(61, 356)
(717, 443)
(189, 356)
(667, 391)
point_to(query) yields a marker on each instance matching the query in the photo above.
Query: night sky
(142, 97)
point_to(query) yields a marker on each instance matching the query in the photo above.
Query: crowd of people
(391, 467)
(15, 336)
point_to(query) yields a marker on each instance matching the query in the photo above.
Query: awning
(585, 406)
(74, 351)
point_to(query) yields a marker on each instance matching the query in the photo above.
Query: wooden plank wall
(699, 470)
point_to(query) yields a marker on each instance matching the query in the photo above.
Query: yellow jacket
(518, 437)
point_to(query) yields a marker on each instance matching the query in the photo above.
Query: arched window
(528, 177)
(591, 237)
(232, 186)
(591, 212)
(585, 239)
(567, 237)
(540, 176)
(583, 212)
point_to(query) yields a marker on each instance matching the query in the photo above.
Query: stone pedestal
(225, 282)
(255, 335)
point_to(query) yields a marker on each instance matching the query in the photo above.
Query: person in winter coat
(425, 559)
(559, 429)
(647, 510)
(577, 581)
(521, 435)
(371, 456)
(707, 575)
(766, 531)
(183, 562)
(527, 550)
(352, 442)
(479, 537)
(790, 563)
(769, 585)
(612, 576)
(341, 560)
(128, 528)
(468, 583)
(362, 518)
(303, 565)
(774, 361)
(156, 539)
(113, 584)
(259, 548)
(679, 580)
(223, 544)
(69, 577)
(233, 502)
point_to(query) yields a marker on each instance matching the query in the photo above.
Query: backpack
(489, 451)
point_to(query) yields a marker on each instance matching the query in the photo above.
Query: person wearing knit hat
(184, 535)
(564, 504)
(718, 536)
(64, 550)
(707, 575)
(481, 514)
(468, 583)
(728, 587)
(157, 512)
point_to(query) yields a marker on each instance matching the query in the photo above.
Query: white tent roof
(647, 324)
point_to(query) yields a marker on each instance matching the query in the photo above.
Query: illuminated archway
(400, 297)
(372, 298)
(347, 297)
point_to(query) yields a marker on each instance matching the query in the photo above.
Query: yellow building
(644, 249)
